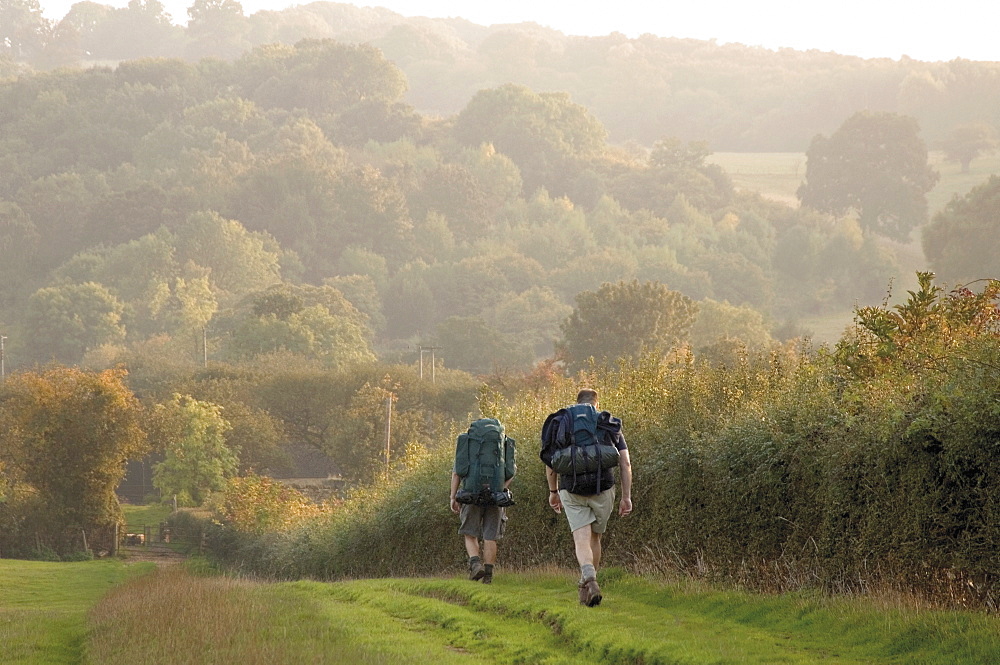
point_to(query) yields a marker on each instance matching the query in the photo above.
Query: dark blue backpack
(578, 441)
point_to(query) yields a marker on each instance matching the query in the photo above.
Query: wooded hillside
(738, 98)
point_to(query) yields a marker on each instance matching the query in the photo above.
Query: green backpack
(485, 460)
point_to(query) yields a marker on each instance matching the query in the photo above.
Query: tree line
(291, 200)
(69, 432)
(737, 97)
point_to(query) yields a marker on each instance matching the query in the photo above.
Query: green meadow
(777, 175)
(43, 607)
(149, 515)
(110, 613)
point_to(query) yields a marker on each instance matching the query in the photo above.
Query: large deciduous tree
(217, 28)
(241, 261)
(624, 319)
(67, 320)
(23, 29)
(874, 165)
(315, 322)
(966, 142)
(961, 242)
(320, 75)
(67, 435)
(197, 460)
(547, 136)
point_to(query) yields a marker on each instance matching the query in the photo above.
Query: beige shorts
(583, 510)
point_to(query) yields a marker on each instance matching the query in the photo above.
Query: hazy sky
(868, 28)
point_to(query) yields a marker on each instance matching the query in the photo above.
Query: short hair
(586, 396)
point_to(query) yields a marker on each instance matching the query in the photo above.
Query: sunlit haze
(870, 29)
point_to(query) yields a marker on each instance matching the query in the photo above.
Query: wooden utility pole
(388, 431)
(424, 349)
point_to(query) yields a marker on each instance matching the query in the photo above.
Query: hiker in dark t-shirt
(588, 508)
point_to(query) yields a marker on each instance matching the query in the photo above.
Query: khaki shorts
(583, 510)
(486, 522)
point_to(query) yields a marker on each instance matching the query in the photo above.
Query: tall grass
(225, 620)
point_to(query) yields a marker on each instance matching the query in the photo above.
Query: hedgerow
(871, 464)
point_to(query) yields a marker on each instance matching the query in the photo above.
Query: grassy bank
(522, 618)
(43, 607)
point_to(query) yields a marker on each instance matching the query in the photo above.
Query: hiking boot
(487, 578)
(590, 593)
(476, 570)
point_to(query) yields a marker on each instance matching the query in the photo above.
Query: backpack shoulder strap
(509, 458)
(462, 461)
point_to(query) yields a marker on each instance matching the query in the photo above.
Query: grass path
(530, 618)
(535, 619)
(110, 613)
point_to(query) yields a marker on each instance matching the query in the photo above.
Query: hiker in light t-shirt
(588, 507)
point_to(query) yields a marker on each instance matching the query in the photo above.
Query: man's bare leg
(471, 546)
(490, 552)
(584, 540)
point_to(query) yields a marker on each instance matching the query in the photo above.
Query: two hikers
(485, 465)
(580, 448)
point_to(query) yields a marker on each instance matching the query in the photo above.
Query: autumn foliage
(66, 437)
(257, 505)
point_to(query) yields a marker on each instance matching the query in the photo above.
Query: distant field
(954, 182)
(150, 515)
(777, 176)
